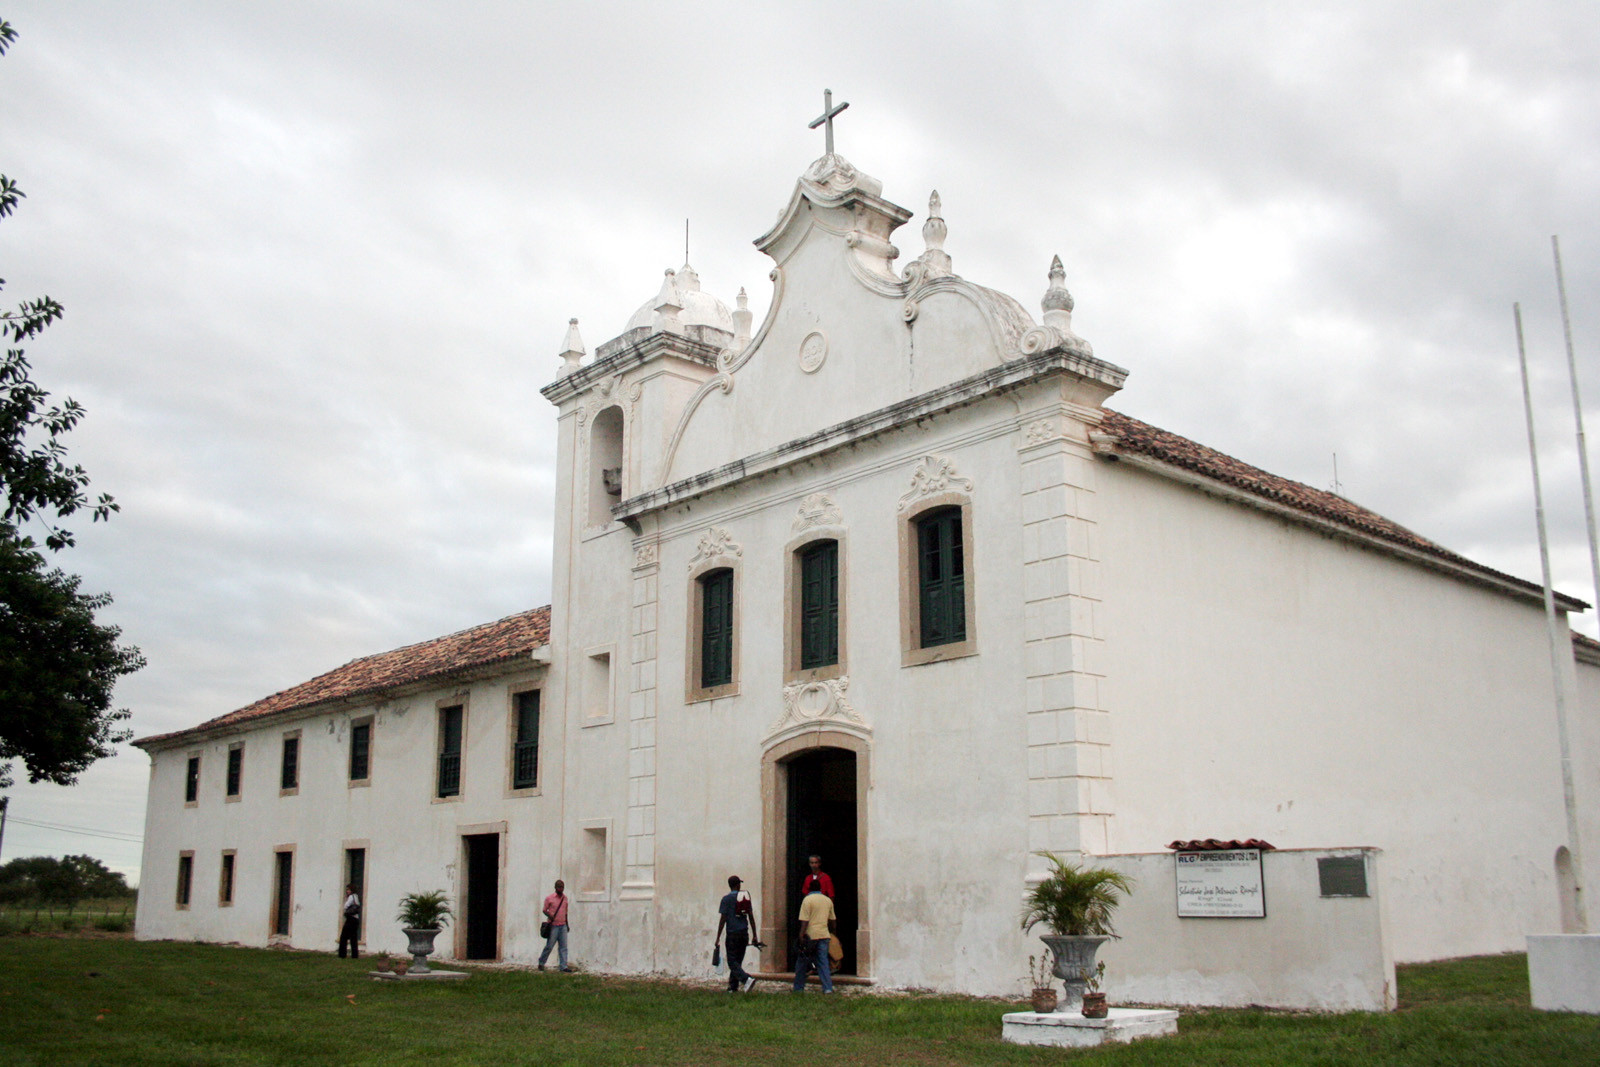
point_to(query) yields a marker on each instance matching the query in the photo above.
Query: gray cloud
(317, 260)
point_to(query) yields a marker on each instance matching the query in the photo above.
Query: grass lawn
(110, 1000)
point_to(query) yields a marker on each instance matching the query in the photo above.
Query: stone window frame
(792, 671)
(194, 756)
(458, 700)
(365, 845)
(603, 894)
(370, 722)
(607, 713)
(227, 877)
(514, 690)
(299, 763)
(238, 786)
(911, 651)
(273, 937)
(694, 692)
(183, 892)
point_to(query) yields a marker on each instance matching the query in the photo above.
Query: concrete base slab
(413, 976)
(1564, 972)
(1068, 1029)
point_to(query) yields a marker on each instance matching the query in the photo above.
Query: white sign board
(1220, 885)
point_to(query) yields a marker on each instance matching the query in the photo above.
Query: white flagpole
(1569, 794)
(1577, 418)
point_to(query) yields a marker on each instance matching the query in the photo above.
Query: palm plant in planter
(422, 916)
(1076, 904)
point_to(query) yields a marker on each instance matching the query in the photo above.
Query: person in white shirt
(350, 932)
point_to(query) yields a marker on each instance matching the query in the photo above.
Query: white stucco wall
(1266, 681)
(1309, 951)
(413, 841)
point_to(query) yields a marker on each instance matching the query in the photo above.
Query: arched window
(605, 465)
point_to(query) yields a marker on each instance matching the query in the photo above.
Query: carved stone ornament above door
(715, 543)
(935, 474)
(818, 509)
(810, 705)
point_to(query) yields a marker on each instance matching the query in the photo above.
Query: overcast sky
(318, 258)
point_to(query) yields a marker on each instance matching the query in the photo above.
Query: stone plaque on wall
(1220, 885)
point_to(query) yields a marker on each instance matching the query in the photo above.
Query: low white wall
(1310, 952)
(1564, 972)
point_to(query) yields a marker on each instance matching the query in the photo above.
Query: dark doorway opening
(482, 920)
(283, 890)
(822, 822)
(355, 874)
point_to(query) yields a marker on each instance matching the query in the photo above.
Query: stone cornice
(1001, 379)
(630, 355)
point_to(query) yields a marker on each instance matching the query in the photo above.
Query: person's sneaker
(566, 970)
(749, 984)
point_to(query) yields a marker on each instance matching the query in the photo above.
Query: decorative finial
(828, 112)
(742, 320)
(572, 349)
(667, 306)
(934, 230)
(1057, 302)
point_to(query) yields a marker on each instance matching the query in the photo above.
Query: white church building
(885, 580)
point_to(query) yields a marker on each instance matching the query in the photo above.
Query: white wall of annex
(1267, 681)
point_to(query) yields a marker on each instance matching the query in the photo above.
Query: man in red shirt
(818, 876)
(555, 912)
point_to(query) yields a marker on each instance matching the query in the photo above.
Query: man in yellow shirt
(817, 924)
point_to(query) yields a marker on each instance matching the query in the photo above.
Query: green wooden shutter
(941, 578)
(819, 605)
(716, 629)
(525, 766)
(449, 751)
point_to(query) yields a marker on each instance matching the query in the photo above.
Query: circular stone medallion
(813, 350)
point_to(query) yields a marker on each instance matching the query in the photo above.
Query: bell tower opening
(605, 465)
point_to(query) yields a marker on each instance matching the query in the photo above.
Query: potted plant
(1076, 904)
(1044, 994)
(1094, 998)
(421, 917)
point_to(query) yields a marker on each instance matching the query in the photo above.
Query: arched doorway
(815, 787)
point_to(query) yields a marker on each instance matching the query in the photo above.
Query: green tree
(65, 880)
(58, 666)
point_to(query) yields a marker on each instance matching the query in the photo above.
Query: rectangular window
(941, 578)
(594, 862)
(185, 877)
(235, 769)
(597, 687)
(716, 628)
(225, 884)
(191, 781)
(282, 891)
(289, 775)
(525, 749)
(361, 751)
(449, 782)
(819, 605)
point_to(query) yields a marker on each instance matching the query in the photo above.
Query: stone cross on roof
(828, 112)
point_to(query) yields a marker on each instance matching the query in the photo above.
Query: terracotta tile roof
(494, 642)
(1146, 440)
(1211, 844)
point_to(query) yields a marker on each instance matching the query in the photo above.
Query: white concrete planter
(420, 945)
(1074, 956)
